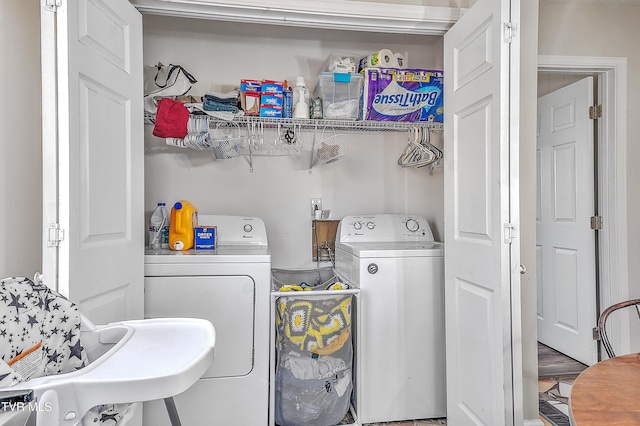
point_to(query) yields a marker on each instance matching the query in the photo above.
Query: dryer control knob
(372, 268)
(248, 228)
(412, 225)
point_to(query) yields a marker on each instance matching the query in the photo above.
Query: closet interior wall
(366, 180)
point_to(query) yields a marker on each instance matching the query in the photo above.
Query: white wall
(589, 30)
(20, 143)
(366, 180)
(528, 114)
(551, 81)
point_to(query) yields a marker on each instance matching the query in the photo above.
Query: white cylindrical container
(383, 58)
(400, 61)
(159, 228)
(300, 107)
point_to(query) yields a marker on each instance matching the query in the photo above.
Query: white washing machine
(400, 353)
(230, 287)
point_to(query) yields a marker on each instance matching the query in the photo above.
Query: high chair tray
(150, 359)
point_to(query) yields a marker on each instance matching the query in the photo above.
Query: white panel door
(565, 240)
(482, 383)
(93, 144)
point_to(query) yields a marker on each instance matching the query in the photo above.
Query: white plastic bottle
(159, 228)
(300, 99)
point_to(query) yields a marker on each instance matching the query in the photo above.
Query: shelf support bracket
(313, 146)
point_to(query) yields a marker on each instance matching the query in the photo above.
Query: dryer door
(226, 301)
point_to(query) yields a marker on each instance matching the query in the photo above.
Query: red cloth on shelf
(171, 119)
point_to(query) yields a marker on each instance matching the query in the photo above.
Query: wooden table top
(608, 393)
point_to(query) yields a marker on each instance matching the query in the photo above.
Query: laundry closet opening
(278, 189)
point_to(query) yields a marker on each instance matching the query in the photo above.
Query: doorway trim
(612, 171)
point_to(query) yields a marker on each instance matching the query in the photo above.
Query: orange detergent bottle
(184, 219)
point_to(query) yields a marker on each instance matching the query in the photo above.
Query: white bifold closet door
(93, 156)
(482, 302)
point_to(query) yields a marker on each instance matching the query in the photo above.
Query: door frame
(612, 176)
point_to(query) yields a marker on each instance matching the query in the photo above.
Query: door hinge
(509, 31)
(56, 235)
(52, 5)
(509, 233)
(596, 222)
(595, 112)
(596, 333)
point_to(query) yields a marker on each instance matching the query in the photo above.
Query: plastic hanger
(417, 153)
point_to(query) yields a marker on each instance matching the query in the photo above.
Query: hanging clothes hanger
(426, 141)
(417, 153)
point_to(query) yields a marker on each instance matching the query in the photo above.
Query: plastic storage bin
(340, 94)
(312, 362)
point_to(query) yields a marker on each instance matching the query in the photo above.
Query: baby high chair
(56, 368)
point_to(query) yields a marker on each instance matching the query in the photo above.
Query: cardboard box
(252, 103)
(408, 95)
(271, 100)
(205, 237)
(272, 86)
(250, 96)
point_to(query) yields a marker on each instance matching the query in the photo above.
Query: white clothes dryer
(400, 353)
(230, 287)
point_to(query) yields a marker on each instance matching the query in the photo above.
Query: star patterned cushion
(39, 332)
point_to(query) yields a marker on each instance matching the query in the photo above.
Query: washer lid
(393, 249)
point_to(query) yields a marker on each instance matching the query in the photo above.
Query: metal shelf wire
(256, 144)
(346, 125)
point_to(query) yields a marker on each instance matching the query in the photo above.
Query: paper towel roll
(381, 59)
(400, 61)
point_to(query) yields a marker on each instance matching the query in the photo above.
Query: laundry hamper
(312, 357)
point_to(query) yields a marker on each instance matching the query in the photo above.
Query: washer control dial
(357, 226)
(248, 228)
(371, 225)
(412, 225)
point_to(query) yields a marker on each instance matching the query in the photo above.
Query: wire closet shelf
(353, 125)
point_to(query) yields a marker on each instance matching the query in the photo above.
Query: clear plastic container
(340, 93)
(159, 228)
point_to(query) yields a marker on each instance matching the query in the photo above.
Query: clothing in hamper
(316, 326)
(312, 402)
(313, 382)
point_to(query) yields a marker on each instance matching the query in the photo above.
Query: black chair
(602, 322)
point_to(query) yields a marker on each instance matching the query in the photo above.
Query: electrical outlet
(316, 204)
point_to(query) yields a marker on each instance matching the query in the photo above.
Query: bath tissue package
(408, 95)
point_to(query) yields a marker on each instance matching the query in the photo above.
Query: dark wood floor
(552, 363)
